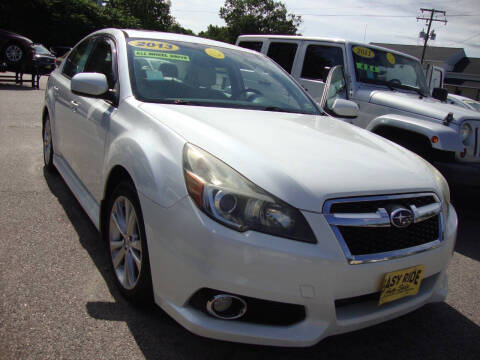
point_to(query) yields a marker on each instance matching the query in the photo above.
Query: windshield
(382, 67)
(41, 50)
(194, 74)
(473, 104)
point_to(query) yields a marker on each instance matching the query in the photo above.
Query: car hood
(302, 159)
(425, 106)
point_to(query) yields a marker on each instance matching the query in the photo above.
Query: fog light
(226, 307)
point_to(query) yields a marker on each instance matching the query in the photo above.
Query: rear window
(283, 54)
(252, 45)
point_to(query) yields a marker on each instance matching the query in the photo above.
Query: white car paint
(300, 159)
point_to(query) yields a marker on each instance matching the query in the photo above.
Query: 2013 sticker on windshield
(160, 55)
(153, 45)
(363, 52)
(390, 58)
(217, 54)
(367, 67)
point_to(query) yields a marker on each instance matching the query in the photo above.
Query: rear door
(283, 52)
(317, 58)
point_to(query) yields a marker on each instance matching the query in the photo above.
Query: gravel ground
(57, 301)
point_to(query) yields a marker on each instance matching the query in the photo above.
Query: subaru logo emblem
(401, 217)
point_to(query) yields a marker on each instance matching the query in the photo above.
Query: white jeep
(391, 92)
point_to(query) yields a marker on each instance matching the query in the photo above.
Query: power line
(429, 22)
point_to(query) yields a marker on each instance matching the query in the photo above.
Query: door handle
(74, 105)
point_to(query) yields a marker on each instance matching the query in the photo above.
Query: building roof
(433, 53)
(468, 65)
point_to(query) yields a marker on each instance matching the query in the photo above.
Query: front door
(318, 59)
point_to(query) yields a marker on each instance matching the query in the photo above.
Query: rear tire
(127, 245)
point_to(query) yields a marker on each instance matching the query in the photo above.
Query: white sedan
(228, 198)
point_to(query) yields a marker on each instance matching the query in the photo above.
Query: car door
(91, 119)
(64, 108)
(318, 59)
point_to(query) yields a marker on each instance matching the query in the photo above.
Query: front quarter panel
(151, 154)
(449, 139)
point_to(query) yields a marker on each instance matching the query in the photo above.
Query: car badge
(401, 217)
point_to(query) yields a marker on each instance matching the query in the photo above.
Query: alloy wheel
(125, 242)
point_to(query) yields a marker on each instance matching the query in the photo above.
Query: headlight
(233, 200)
(444, 190)
(465, 131)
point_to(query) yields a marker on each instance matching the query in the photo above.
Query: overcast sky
(386, 21)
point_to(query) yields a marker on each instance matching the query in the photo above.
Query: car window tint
(252, 45)
(283, 54)
(319, 60)
(76, 61)
(100, 61)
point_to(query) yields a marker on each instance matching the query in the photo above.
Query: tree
(258, 17)
(214, 32)
(152, 14)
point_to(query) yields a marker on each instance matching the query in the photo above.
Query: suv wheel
(14, 54)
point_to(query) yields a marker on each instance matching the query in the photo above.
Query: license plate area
(401, 283)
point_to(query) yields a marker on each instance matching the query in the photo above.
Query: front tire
(48, 146)
(14, 54)
(127, 245)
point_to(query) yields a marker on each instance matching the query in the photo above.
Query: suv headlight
(231, 199)
(465, 131)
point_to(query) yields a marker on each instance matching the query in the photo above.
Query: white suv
(246, 214)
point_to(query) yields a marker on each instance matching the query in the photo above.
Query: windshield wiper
(276, 108)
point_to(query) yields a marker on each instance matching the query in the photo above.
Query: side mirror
(89, 84)
(345, 108)
(440, 94)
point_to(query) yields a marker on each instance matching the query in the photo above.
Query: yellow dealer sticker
(363, 52)
(153, 45)
(399, 284)
(391, 58)
(159, 55)
(217, 54)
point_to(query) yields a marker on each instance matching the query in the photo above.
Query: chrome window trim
(421, 214)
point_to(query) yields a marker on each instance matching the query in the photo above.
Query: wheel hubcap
(125, 242)
(47, 143)
(13, 53)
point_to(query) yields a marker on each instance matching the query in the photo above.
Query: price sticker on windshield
(390, 58)
(363, 52)
(217, 54)
(153, 45)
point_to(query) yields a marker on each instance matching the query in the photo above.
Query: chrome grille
(364, 230)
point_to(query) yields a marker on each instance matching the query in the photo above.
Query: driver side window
(76, 61)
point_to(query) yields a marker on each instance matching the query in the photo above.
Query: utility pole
(428, 21)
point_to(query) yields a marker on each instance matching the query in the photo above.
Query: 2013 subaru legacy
(226, 195)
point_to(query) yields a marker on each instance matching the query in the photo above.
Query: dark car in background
(43, 61)
(15, 50)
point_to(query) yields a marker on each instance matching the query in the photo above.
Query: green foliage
(152, 14)
(258, 17)
(61, 22)
(65, 22)
(214, 32)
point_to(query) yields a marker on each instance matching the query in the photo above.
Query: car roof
(177, 37)
(322, 39)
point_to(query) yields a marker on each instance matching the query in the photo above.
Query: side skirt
(88, 203)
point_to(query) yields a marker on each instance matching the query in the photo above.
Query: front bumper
(189, 251)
